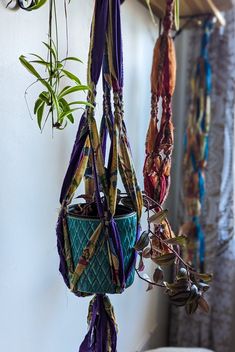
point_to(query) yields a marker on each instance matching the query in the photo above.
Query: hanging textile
(103, 242)
(215, 330)
(188, 288)
(160, 139)
(196, 152)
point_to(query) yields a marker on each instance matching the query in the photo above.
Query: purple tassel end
(102, 334)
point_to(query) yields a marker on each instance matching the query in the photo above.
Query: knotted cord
(160, 138)
(196, 150)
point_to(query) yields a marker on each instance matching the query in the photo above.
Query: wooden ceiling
(194, 7)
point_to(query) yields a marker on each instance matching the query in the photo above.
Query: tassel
(163, 75)
(102, 334)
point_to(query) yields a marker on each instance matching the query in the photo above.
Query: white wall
(37, 312)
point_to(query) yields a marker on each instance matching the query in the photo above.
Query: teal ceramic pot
(96, 278)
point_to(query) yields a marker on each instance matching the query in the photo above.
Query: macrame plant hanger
(106, 247)
(196, 151)
(160, 137)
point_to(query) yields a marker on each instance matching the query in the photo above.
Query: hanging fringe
(102, 334)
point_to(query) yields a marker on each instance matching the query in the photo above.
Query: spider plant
(55, 99)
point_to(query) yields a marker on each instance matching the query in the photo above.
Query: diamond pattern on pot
(96, 278)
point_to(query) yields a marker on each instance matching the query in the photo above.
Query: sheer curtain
(216, 329)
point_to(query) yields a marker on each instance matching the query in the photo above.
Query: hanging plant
(160, 245)
(99, 236)
(56, 100)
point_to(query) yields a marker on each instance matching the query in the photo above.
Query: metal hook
(198, 19)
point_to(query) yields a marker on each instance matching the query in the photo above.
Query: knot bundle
(160, 137)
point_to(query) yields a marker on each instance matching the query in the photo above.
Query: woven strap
(89, 151)
(196, 147)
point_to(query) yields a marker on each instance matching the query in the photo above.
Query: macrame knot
(106, 103)
(92, 95)
(168, 19)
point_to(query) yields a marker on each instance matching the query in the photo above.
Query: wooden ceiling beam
(195, 8)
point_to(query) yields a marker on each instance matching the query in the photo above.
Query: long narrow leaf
(37, 56)
(38, 4)
(40, 115)
(37, 105)
(72, 58)
(71, 76)
(80, 102)
(40, 62)
(65, 107)
(73, 90)
(29, 67)
(45, 97)
(65, 114)
(51, 50)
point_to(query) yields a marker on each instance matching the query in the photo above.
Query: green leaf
(71, 58)
(177, 15)
(37, 56)
(55, 104)
(37, 105)
(34, 72)
(38, 4)
(73, 90)
(80, 102)
(71, 76)
(65, 114)
(40, 114)
(59, 65)
(40, 62)
(51, 50)
(65, 107)
(29, 67)
(45, 96)
(64, 89)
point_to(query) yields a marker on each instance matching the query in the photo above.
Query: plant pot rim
(127, 212)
